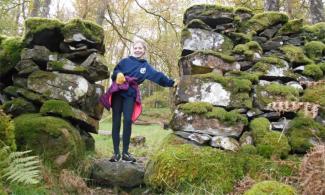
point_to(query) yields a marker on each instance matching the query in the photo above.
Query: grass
(154, 134)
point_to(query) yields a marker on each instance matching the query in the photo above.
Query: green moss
(7, 128)
(89, 29)
(248, 49)
(315, 95)
(185, 34)
(261, 21)
(223, 56)
(302, 130)
(243, 10)
(314, 49)
(291, 27)
(316, 31)
(19, 106)
(275, 92)
(240, 37)
(251, 76)
(271, 187)
(248, 149)
(197, 23)
(226, 46)
(313, 71)
(10, 49)
(11, 91)
(295, 54)
(61, 66)
(269, 143)
(42, 75)
(35, 25)
(196, 107)
(57, 106)
(322, 66)
(241, 100)
(228, 118)
(234, 85)
(282, 90)
(274, 61)
(49, 137)
(178, 165)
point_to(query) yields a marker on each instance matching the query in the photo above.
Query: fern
(19, 167)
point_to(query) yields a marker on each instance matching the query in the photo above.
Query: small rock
(226, 143)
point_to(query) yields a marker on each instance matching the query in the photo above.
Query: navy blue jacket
(140, 69)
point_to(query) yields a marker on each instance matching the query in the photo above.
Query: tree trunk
(101, 10)
(36, 8)
(289, 8)
(316, 11)
(46, 9)
(271, 5)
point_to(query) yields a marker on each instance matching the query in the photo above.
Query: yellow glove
(120, 79)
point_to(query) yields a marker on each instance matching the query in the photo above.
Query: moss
(314, 49)
(223, 56)
(197, 23)
(291, 27)
(239, 10)
(268, 143)
(42, 75)
(228, 118)
(282, 90)
(251, 76)
(275, 92)
(248, 149)
(234, 85)
(302, 130)
(176, 166)
(196, 107)
(185, 34)
(18, 106)
(209, 9)
(271, 187)
(11, 91)
(57, 106)
(313, 71)
(49, 137)
(7, 128)
(295, 54)
(61, 66)
(89, 29)
(226, 46)
(35, 25)
(10, 49)
(248, 49)
(317, 31)
(322, 66)
(315, 94)
(240, 37)
(263, 20)
(241, 100)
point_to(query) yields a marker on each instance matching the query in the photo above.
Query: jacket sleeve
(116, 70)
(158, 77)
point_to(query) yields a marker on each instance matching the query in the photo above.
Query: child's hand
(120, 79)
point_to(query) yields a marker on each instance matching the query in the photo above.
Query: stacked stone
(237, 67)
(56, 74)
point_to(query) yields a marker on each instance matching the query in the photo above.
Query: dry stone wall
(250, 79)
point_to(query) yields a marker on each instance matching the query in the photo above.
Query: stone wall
(250, 79)
(52, 71)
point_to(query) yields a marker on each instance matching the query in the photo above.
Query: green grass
(154, 134)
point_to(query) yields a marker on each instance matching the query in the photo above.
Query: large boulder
(212, 121)
(204, 62)
(123, 174)
(214, 89)
(54, 139)
(194, 39)
(212, 15)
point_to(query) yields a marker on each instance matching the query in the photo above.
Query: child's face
(138, 50)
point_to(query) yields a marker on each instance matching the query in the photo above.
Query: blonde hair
(141, 42)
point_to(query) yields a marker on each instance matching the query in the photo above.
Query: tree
(271, 5)
(35, 8)
(316, 11)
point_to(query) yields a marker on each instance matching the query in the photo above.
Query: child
(124, 96)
